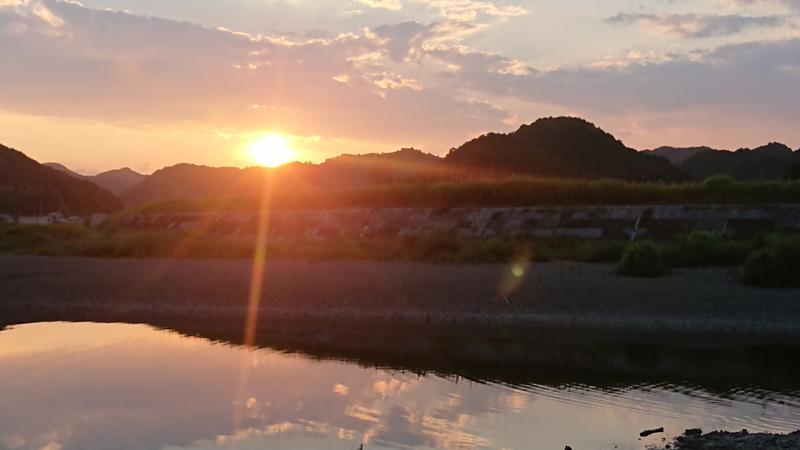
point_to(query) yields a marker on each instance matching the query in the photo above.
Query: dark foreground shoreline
(563, 322)
(581, 319)
(736, 440)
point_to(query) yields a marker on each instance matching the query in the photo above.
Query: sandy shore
(570, 294)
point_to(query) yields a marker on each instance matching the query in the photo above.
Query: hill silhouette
(119, 180)
(64, 169)
(116, 181)
(30, 188)
(769, 162)
(550, 148)
(402, 166)
(677, 155)
(193, 181)
(562, 147)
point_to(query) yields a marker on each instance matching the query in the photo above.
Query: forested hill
(30, 188)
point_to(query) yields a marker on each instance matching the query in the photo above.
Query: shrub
(703, 248)
(719, 182)
(777, 266)
(641, 260)
(439, 247)
(487, 250)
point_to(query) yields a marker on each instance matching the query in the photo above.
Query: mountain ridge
(30, 188)
(551, 147)
(561, 147)
(116, 181)
(771, 161)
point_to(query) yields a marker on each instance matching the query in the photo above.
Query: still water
(119, 386)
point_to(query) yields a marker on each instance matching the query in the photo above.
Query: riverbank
(500, 320)
(559, 293)
(572, 296)
(569, 294)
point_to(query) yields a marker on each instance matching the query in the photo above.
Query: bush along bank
(768, 260)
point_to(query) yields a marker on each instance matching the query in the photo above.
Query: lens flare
(271, 150)
(254, 300)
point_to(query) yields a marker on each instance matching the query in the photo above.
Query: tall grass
(505, 192)
(57, 240)
(697, 249)
(775, 265)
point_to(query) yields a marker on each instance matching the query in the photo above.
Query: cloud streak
(388, 83)
(470, 10)
(792, 4)
(113, 66)
(696, 25)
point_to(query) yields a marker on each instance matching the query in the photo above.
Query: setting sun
(271, 150)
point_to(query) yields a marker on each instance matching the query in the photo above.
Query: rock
(738, 440)
(693, 432)
(653, 431)
(568, 448)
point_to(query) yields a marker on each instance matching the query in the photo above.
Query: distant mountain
(193, 181)
(117, 181)
(677, 155)
(562, 147)
(62, 168)
(30, 188)
(771, 161)
(404, 165)
(550, 148)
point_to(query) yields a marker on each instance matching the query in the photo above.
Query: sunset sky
(147, 83)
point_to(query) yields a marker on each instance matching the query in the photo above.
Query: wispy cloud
(427, 79)
(729, 78)
(124, 68)
(697, 25)
(470, 10)
(793, 4)
(392, 5)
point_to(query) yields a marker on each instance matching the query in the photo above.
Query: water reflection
(116, 386)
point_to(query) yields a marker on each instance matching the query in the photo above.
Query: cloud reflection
(141, 388)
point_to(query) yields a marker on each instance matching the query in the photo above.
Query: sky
(103, 84)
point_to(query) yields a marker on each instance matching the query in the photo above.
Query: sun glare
(271, 150)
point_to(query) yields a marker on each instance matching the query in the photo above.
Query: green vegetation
(778, 265)
(59, 240)
(704, 249)
(70, 240)
(769, 260)
(641, 259)
(503, 192)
